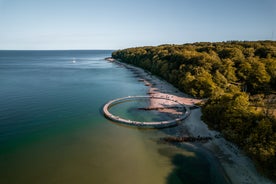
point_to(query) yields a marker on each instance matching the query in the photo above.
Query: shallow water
(130, 110)
(52, 129)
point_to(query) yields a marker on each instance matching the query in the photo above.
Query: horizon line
(56, 49)
(264, 40)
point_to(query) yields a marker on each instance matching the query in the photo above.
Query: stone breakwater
(157, 124)
(203, 139)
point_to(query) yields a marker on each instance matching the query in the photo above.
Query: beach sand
(239, 168)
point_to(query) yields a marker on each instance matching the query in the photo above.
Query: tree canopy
(229, 74)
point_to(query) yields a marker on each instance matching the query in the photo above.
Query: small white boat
(74, 60)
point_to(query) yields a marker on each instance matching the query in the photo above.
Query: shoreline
(237, 166)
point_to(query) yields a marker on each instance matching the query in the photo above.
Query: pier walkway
(158, 124)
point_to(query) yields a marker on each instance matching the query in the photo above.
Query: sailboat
(74, 60)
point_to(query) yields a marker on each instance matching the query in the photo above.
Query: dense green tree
(227, 73)
(258, 78)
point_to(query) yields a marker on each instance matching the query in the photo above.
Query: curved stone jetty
(157, 124)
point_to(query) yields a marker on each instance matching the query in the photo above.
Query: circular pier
(157, 124)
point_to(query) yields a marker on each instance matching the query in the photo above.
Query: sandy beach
(237, 166)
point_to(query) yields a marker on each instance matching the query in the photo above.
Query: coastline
(238, 167)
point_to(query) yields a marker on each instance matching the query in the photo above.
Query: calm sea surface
(52, 129)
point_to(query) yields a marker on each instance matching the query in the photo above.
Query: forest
(238, 81)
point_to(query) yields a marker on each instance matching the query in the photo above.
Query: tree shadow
(189, 170)
(193, 166)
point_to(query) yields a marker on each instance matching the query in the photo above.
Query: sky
(117, 24)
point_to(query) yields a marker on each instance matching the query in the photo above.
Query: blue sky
(116, 24)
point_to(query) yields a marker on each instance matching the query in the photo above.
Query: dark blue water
(43, 88)
(52, 129)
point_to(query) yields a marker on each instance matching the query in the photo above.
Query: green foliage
(250, 66)
(254, 132)
(227, 73)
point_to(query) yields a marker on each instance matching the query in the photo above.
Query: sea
(52, 128)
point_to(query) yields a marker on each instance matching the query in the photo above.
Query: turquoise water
(130, 110)
(52, 129)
